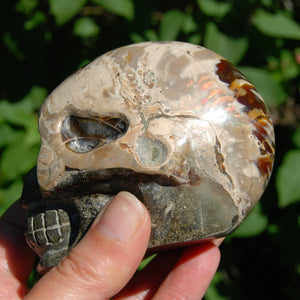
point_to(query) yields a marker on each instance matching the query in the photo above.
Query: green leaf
(33, 100)
(267, 3)
(83, 63)
(271, 90)
(9, 135)
(213, 292)
(136, 38)
(13, 46)
(17, 160)
(214, 8)
(14, 114)
(86, 27)
(23, 113)
(37, 19)
(64, 10)
(287, 179)
(145, 262)
(32, 136)
(289, 67)
(188, 24)
(194, 39)
(296, 137)
(124, 8)
(151, 35)
(9, 195)
(26, 6)
(233, 49)
(170, 25)
(276, 25)
(254, 224)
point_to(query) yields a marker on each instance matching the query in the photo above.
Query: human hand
(102, 265)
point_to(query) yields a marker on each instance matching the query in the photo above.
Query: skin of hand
(103, 265)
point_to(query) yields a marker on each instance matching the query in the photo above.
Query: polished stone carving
(173, 123)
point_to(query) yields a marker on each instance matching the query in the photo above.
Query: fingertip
(192, 274)
(208, 249)
(218, 241)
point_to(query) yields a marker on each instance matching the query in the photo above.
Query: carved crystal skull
(173, 123)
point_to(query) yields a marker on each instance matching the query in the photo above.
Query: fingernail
(122, 217)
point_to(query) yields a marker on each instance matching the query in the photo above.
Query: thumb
(105, 259)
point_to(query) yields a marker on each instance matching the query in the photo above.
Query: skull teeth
(48, 228)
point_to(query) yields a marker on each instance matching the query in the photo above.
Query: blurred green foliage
(45, 41)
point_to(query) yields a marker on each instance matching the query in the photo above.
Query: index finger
(16, 258)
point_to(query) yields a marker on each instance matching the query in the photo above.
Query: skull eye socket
(82, 134)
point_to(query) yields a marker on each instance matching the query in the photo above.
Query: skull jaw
(53, 229)
(180, 215)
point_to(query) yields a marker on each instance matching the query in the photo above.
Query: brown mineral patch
(264, 165)
(219, 156)
(244, 93)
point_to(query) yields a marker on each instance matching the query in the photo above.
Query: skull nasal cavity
(151, 151)
(84, 134)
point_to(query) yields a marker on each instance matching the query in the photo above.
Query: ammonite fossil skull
(173, 123)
